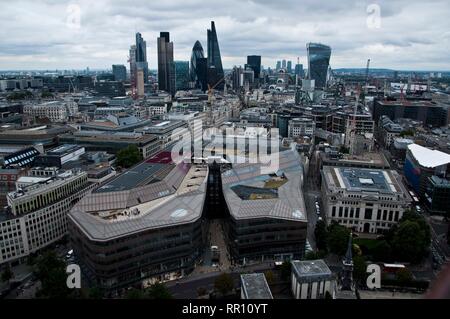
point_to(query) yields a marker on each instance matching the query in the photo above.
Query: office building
(299, 127)
(181, 75)
(427, 112)
(133, 68)
(110, 88)
(143, 226)
(299, 70)
(318, 63)
(267, 215)
(140, 83)
(278, 66)
(141, 56)
(119, 72)
(421, 164)
(289, 67)
(255, 286)
(45, 136)
(254, 63)
(194, 71)
(366, 200)
(215, 74)
(55, 111)
(37, 213)
(283, 64)
(59, 156)
(113, 142)
(166, 66)
(312, 279)
(437, 195)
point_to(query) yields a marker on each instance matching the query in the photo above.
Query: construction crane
(211, 89)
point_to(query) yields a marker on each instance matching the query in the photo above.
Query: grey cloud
(412, 33)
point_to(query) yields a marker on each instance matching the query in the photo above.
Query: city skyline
(274, 31)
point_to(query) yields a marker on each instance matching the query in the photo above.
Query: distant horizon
(225, 68)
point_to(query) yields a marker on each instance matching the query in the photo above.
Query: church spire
(347, 267)
(349, 255)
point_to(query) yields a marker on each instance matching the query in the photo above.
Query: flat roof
(150, 195)
(363, 180)
(255, 286)
(310, 268)
(427, 157)
(252, 192)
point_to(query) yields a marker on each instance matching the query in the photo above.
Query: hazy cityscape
(234, 152)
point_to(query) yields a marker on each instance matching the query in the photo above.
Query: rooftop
(427, 157)
(253, 190)
(310, 268)
(155, 193)
(362, 180)
(255, 286)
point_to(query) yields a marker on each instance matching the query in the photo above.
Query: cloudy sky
(399, 34)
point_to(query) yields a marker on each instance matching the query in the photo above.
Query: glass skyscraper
(289, 67)
(318, 62)
(254, 62)
(119, 72)
(166, 66)
(141, 55)
(197, 53)
(215, 69)
(182, 75)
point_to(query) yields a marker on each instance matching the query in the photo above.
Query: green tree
(409, 132)
(321, 234)
(404, 277)
(269, 277)
(134, 293)
(201, 291)
(46, 95)
(337, 238)
(96, 293)
(359, 269)
(158, 291)
(285, 270)
(128, 156)
(7, 275)
(410, 242)
(382, 251)
(224, 283)
(51, 271)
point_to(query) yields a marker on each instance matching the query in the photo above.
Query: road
(311, 190)
(186, 288)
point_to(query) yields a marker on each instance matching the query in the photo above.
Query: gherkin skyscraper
(215, 69)
(194, 71)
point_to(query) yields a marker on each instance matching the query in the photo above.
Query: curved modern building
(318, 62)
(143, 226)
(197, 53)
(267, 213)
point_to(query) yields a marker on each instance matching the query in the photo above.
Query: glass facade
(318, 62)
(119, 72)
(141, 55)
(254, 62)
(197, 53)
(182, 75)
(215, 69)
(166, 66)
